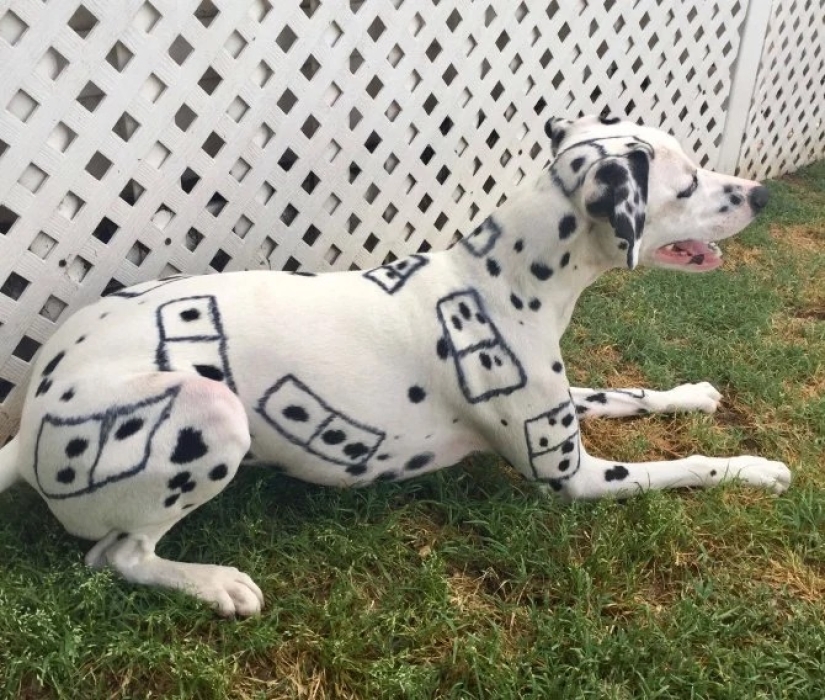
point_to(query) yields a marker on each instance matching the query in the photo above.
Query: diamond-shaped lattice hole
(311, 235)
(235, 44)
(310, 182)
(82, 22)
(262, 74)
(42, 245)
(220, 260)
(126, 126)
(22, 105)
(132, 192)
(259, 9)
(206, 13)
(112, 286)
(152, 88)
(12, 27)
(184, 117)
(52, 64)
(54, 307)
(264, 194)
(287, 101)
(289, 214)
(119, 56)
(163, 217)
(180, 49)
(286, 39)
(213, 144)
(370, 243)
(70, 205)
(32, 178)
(105, 230)
(77, 270)
(6, 387)
(242, 227)
(137, 254)
(7, 219)
(310, 126)
(237, 109)
(91, 96)
(188, 179)
(287, 160)
(14, 286)
(146, 18)
(210, 80)
(217, 203)
(193, 239)
(240, 170)
(98, 166)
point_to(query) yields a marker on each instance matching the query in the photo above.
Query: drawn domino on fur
(192, 338)
(296, 412)
(393, 276)
(486, 367)
(483, 239)
(552, 442)
(78, 455)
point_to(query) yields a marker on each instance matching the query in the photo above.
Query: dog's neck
(538, 254)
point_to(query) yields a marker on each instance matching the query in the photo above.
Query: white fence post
(746, 71)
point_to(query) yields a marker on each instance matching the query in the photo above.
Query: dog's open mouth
(697, 256)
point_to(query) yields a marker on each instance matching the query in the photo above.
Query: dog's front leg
(618, 403)
(597, 478)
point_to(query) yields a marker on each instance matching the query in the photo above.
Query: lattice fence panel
(786, 124)
(142, 138)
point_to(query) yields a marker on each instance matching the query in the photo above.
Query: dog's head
(637, 182)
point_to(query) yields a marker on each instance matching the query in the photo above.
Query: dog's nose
(758, 198)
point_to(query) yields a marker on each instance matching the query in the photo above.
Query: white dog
(143, 405)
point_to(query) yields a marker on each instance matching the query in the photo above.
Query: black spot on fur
(616, 473)
(442, 348)
(67, 395)
(128, 428)
(66, 476)
(565, 260)
(122, 536)
(567, 420)
(355, 450)
(519, 245)
(386, 476)
(493, 267)
(557, 367)
(179, 480)
(43, 387)
(485, 360)
(576, 164)
(541, 271)
(464, 310)
(171, 500)
(383, 457)
(581, 409)
(515, 301)
(188, 486)
(80, 340)
(419, 461)
(554, 484)
(609, 120)
(713, 472)
(52, 365)
(190, 315)
(597, 398)
(76, 447)
(567, 448)
(210, 372)
(456, 321)
(416, 394)
(736, 200)
(334, 437)
(504, 422)
(218, 473)
(564, 465)
(534, 305)
(190, 446)
(296, 413)
(356, 469)
(567, 226)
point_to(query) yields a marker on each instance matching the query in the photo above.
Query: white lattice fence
(786, 124)
(140, 138)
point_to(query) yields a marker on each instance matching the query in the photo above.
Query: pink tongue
(694, 247)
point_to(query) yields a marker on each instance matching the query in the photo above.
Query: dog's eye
(684, 194)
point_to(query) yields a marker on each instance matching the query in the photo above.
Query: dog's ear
(615, 190)
(556, 130)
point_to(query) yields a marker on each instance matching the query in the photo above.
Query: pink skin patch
(696, 255)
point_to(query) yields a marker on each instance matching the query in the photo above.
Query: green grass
(467, 583)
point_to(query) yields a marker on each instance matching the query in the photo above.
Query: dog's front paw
(759, 472)
(229, 591)
(702, 396)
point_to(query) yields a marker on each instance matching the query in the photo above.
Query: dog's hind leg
(618, 403)
(123, 471)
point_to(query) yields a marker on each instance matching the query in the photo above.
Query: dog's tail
(9, 472)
